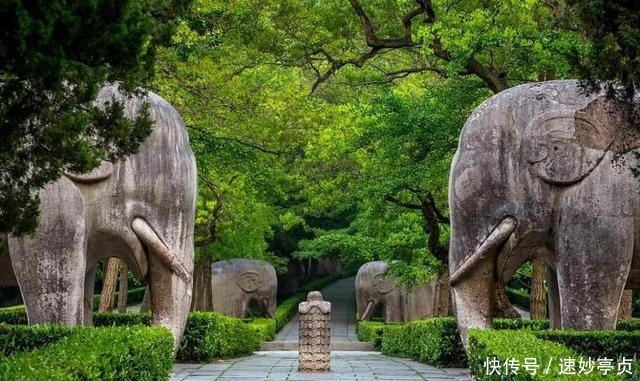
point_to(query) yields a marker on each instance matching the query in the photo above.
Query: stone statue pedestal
(314, 352)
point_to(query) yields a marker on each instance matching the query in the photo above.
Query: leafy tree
(611, 29)
(54, 57)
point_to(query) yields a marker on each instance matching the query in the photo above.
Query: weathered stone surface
(374, 290)
(314, 353)
(237, 284)
(140, 209)
(543, 171)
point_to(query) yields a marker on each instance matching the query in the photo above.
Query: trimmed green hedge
(119, 319)
(370, 331)
(265, 328)
(287, 309)
(434, 341)
(507, 344)
(535, 325)
(22, 338)
(628, 325)
(596, 343)
(209, 335)
(519, 297)
(118, 354)
(13, 315)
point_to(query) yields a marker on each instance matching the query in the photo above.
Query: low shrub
(22, 338)
(534, 325)
(119, 319)
(265, 328)
(503, 345)
(13, 315)
(117, 353)
(287, 309)
(518, 297)
(370, 331)
(596, 343)
(628, 325)
(209, 335)
(433, 341)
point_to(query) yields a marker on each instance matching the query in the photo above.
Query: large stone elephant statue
(375, 291)
(544, 171)
(140, 209)
(241, 287)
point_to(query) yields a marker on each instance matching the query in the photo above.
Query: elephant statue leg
(170, 281)
(89, 282)
(594, 257)
(50, 264)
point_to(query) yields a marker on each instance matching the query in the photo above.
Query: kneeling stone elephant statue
(544, 171)
(239, 284)
(376, 291)
(140, 208)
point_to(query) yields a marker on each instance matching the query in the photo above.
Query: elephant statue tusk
(366, 315)
(148, 236)
(265, 308)
(489, 246)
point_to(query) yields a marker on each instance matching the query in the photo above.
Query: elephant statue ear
(563, 147)
(249, 281)
(98, 174)
(383, 284)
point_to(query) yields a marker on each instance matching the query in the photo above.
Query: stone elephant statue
(241, 287)
(375, 291)
(544, 171)
(140, 209)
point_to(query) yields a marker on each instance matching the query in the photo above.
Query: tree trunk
(201, 299)
(502, 306)
(538, 294)
(626, 305)
(109, 285)
(146, 301)
(123, 288)
(443, 302)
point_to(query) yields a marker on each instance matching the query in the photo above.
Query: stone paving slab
(345, 366)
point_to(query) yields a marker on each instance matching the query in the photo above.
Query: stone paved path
(351, 365)
(342, 295)
(345, 366)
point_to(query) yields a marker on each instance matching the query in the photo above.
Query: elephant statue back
(243, 287)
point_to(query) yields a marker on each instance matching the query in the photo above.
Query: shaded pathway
(342, 295)
(346, 366)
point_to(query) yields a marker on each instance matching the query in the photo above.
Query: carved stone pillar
(314, 353)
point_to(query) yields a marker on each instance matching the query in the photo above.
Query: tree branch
(208, 135)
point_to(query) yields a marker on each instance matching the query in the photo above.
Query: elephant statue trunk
(545, 171)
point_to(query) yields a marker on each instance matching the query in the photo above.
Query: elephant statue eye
(249, 281)
(564, 146)
(383, 284)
